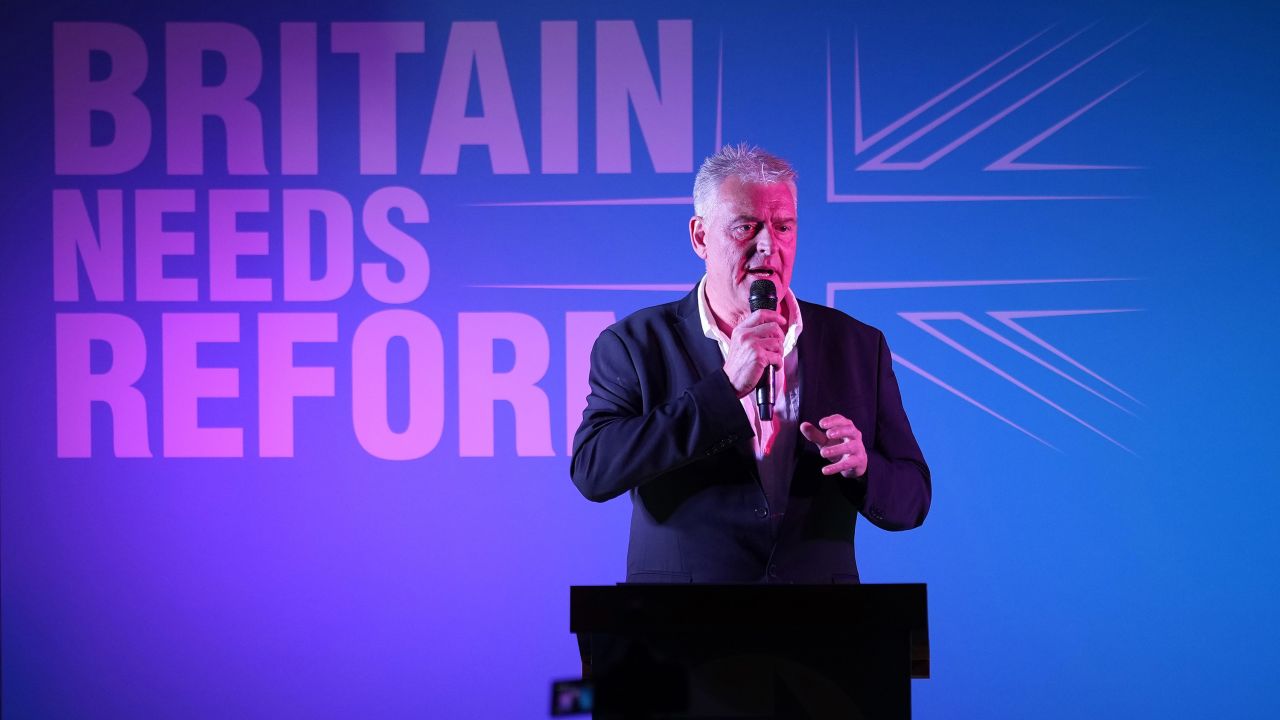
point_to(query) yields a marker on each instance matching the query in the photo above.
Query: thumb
(812, 433)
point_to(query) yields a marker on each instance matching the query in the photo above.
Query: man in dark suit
(718, 494)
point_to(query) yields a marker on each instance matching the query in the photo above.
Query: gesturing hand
(755, 344)
(840, 441)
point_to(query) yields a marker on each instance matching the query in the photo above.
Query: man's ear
(698, 236)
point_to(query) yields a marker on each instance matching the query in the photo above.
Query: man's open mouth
(761, 272)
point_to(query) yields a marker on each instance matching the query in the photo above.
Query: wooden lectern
(751, 651)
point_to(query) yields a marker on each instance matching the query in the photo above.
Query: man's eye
(784, 228)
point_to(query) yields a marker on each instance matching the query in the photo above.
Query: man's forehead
(738, 197)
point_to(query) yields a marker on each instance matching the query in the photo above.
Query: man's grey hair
(746, 162)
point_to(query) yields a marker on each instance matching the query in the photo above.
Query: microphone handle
(764, 394)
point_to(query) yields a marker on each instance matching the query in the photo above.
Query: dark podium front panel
(751, 651)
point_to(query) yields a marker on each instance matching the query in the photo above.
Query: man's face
(749, 235)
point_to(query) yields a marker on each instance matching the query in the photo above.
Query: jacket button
(762, 513)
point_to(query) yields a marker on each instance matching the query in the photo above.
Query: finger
(760, 326)
(767, 330)
(762, 317)
(848, 463)
(849, 431)
(764, 339)
(770, 332)
(769, 316)
(834, 449)
(773, 358)
(813, 434)
(832, 421)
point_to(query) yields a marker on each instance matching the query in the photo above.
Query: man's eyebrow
(744, 216)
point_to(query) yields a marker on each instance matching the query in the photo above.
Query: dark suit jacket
(663, 423)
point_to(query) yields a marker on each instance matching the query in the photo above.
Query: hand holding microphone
(755, 348)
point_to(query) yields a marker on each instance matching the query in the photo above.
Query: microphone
(764, 296)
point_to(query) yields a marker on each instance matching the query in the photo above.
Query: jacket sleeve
(621, 444)
(897, 485)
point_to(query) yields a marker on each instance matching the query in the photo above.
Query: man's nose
(764, 241)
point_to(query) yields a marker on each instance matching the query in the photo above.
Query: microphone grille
(764, 295)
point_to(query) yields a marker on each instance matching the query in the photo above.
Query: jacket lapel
(809, 345)
(701, 351)
(705, 358)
